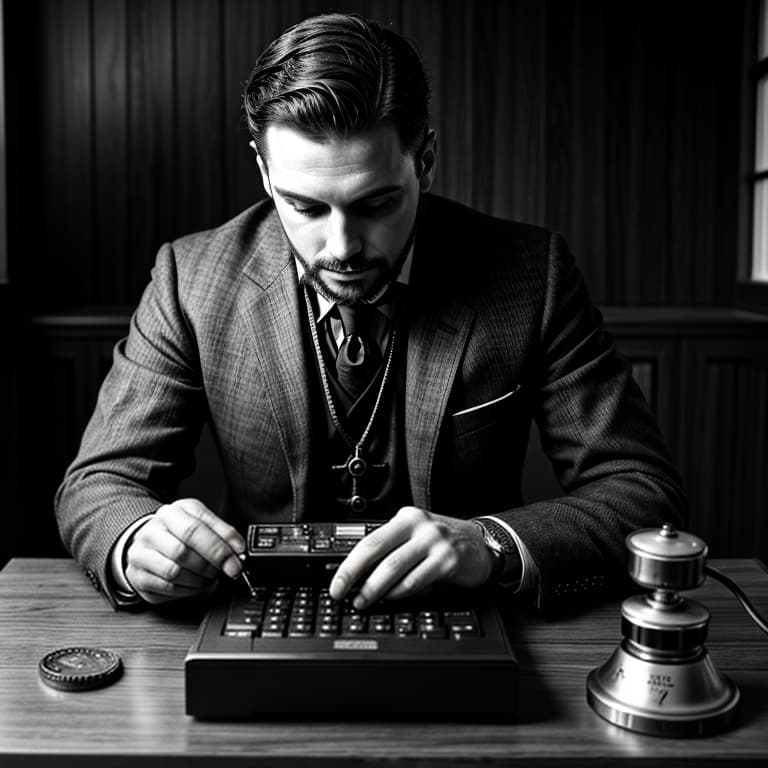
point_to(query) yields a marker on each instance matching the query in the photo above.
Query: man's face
(348, 206)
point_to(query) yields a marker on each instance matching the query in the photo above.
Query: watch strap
(507, 565)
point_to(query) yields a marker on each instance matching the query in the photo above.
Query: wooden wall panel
(199, 89)
(614, 123)
(150, 131)
(66, 171)
(725, 455)
(110, 144)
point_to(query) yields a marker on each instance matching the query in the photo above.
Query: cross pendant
(357, 467)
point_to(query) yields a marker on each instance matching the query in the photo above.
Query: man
(363, 350)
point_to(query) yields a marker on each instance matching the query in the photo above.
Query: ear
(428, 162)
(264, 174)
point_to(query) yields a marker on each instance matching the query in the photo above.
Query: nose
(342, 240)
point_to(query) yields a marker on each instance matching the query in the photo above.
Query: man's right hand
(180, 551)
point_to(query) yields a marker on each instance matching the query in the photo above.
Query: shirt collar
(324, 306)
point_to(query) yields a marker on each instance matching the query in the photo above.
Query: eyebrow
(312, 201)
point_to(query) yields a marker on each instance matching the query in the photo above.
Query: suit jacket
(501, 331)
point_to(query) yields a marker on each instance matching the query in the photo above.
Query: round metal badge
(80, 669)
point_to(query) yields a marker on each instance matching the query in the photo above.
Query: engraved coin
(80, 669)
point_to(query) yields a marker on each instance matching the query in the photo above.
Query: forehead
(336, 167)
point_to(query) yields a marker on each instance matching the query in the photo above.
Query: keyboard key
(431, 632)
(380, 624)
(268, 530)
(302, 612)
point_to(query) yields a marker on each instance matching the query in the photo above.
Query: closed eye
(376, 207)
(311, 211)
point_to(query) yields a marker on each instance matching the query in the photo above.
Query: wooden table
(140, 720)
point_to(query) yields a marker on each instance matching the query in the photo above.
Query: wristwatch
(506, 566)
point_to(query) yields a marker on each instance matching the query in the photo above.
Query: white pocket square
(489, 403)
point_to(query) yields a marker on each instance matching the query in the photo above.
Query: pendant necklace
(356, 465)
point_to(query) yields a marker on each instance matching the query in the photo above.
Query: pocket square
(488, 403)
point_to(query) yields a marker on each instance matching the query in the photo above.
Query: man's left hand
(412, 551)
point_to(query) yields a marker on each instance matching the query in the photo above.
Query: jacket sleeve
(141, 438)
(604, 444)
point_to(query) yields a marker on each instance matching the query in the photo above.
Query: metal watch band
(507, 560)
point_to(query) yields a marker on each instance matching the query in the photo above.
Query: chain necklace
(355, 465)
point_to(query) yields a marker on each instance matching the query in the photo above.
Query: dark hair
(335, 75)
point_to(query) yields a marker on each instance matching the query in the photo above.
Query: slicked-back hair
(338, 75)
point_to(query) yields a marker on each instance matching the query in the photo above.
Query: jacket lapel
(272, 317)
(437, 337)
(439, 328)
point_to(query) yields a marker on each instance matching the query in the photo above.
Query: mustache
(350, 266)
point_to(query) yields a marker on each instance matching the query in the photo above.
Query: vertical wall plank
(724, 426)
(111, 263)
(152, 130)
(422, 24)
(246, 34)
(456, 168)
(581, 215)
(519, 136)
(198, 90)
(66, 153)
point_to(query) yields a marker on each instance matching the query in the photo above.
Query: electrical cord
(742, 598)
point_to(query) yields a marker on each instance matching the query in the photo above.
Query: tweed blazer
(501, 331)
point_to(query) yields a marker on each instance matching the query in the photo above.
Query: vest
(383, 486)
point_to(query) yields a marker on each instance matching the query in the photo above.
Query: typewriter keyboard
(304, 612)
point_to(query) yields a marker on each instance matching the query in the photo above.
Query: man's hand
(180, 551)
(413, 550)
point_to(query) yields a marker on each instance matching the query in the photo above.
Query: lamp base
(663, 698)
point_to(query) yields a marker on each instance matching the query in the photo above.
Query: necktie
(359, 357)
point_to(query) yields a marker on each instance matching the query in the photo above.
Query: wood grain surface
(140, 720)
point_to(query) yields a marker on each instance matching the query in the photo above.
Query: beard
(352, 290)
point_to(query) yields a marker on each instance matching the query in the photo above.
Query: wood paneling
(726, 455)
(614, 123)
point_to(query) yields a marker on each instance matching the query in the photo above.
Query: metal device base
(688, 698)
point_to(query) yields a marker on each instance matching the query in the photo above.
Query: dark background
(623, 125)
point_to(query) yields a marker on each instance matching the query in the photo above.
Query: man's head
(338, 110)
(336, 75)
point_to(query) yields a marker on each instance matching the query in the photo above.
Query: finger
(198, 529)
(220, 527)
(163, 563)
(155, 588)
(365, 555)
(158, 539)
(425, 575)
(390, 571)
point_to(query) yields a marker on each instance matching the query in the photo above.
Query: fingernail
(358, 603)
(337, 587)
(232, 568)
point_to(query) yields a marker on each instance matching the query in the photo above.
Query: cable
(742, 598)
